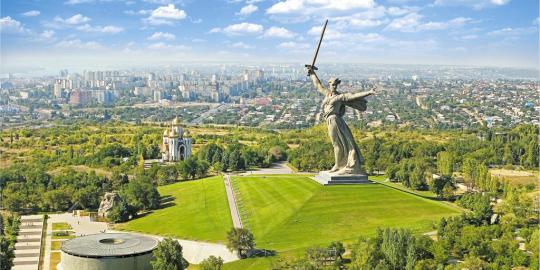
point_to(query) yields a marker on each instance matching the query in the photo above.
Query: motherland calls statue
(348, 159)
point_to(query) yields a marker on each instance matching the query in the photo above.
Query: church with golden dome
(176, 146)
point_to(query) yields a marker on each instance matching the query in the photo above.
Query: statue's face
(333, 87)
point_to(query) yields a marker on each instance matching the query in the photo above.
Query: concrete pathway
(276, 168)
(235, 215)
(79, 225)
(196, 251)
(28, 246)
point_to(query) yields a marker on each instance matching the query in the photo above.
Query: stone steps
(327, 179)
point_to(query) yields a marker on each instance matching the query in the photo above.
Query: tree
(211, 263)
(121, 211)
(141, 194)
(188, 168)
(441, 184)
(445, 163)
(168, 256)
(240, 240)
(6, 254)
(469, 170)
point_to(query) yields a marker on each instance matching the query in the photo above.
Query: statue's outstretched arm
(355, 96)
(317, 82)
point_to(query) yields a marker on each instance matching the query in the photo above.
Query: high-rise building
(57, 90)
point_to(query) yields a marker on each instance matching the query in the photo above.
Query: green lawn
(294, 212)
(199, 212)
(60, 226)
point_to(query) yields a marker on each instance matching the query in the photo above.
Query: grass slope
(292, 212)
(199, 211)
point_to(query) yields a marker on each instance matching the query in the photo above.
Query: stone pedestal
(326, 178)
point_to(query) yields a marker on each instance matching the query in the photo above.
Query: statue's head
(333, 83)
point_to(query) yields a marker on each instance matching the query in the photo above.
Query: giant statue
(348, 159)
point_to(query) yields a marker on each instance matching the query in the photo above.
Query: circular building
(108, 251)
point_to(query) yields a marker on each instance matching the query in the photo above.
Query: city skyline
(113, 33)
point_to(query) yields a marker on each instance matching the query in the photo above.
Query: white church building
(175, 146)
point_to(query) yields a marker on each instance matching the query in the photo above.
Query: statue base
(326, 178)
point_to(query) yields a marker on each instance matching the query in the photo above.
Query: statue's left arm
(356, 96)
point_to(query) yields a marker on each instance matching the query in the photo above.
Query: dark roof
(109, 245)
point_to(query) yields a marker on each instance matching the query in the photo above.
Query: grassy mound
(292, 212)
(195, 210)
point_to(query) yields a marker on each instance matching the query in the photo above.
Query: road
(235, 215)
(199, 120)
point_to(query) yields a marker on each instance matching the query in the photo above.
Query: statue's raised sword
(312, 66)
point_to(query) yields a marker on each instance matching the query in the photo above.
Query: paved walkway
(79, 225)
(28, 246)
(196, 251)
(276, 168)
(237, 222)
(193, 251)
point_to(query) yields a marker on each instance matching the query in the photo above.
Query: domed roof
(165, 132)
(176, 121)
(109, 245)
(173, 133)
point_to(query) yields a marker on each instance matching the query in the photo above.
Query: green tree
(441, 185)
(240, 240)
(445, 163)
(141, 194)
(211, 263)
(168, 256)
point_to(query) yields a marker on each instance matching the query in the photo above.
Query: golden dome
(176, 121)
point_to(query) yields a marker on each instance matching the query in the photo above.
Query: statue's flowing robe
(346, 152)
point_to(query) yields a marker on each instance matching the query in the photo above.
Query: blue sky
(71, 33)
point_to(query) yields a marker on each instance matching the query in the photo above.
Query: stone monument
(106, 205)
(348, 159)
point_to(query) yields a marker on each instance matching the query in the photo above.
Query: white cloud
(240, 29)
(47, 34)
(357, 21)
(476, 4)
(73, 20)
(166, 15)
(110, 29)
(140, 12)
(315, 6)
(31, 13)
(76, 2)
(413, 23)
(165, 46)
(278, 32)
(78, 44)
(162, 36)
(162, 2)
(406, 23)
(247, 10)
(513, 33)
(293, 45)
(242, 45)
(9, 25)
(469, 37)
(328, 34)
